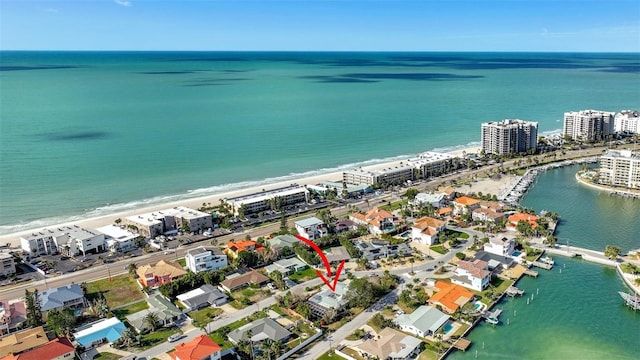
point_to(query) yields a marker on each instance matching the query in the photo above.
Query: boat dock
(514, 291)
(462, 344)
(630, 300)
(532, 273)
(492, 317)
(542, 265)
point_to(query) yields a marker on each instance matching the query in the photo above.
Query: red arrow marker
(317, 249)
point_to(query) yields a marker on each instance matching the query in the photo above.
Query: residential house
(473, 275)
(286, 266)
(166, 312)
(104, 330)
(232, 283)
(450, 297)
(63, 297)
(426, 230)
(205, 259)
(7, 264)
(390, 344)
(259, 330)
(484, 214)
(494, 262)
(326, 299)
(311, 228)
(448, 191)
(382, 249)
(464, 205)
(278, 243)
(421, 200)
(12, 315)
(337, 254)
(200, 348)
(344, 224)
(204, 296)
(56, 349)
(118, 238)
(517, 217)
(423, 321)
(234, 248)
(68, 240)
(161, 273)
(445, 211)
(500, 245)
(379, 221)
(22, 341)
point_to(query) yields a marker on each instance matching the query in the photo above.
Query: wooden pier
(462, 344)
(542, 265)
(514, 291)
(531, 273)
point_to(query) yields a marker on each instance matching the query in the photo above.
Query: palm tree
(132, 269)
(151, 321)
(129, 336)
(412, 260)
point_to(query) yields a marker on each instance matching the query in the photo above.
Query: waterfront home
(500, 245)
(118, 238)
(199, 348)
(423, 321)
(68, 240)
(109, 330)
(12, 315)
(259, 330)
(517, 217)
(266, 199)
(379, 221)
(464, 205)
(311, 228)
(169, 221)
(56, 349)
(390, 344)
(494, 262)
(450, 296)
(205, 259)
(423, 199)
(64, 297)
(22, 341)
(473, 275)
(166, 313)
(278, 243)
(488, 215)
(238, 281)
(426, 230)
(322, 302)
(234, 248)
(286, 266)
(7, 264)
(204, 296)
(161, 273)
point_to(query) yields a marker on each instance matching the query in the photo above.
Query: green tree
(33, 308)
(612, 252)
(304, 310)
(132, 268)
(277, 278)
(61, 322)
(151, 321)
(246, 259)
(411, 193)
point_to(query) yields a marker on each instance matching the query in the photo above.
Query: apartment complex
(118, 238)
(620, 168)
(170, 220)
(261, 201)
(627, 121)
(510, 136)
(430, 164)
(588, 125)
(7, 265)
(205, 259)
(69, 240)
(388, 176)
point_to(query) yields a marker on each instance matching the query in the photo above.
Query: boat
(547, 260)
(492, 320)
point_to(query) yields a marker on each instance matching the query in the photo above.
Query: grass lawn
(499, 286)
(629, 268)
(439, 249)
(463, 327)
(394, 205)
(107, 356)
(354, 354)
(458, 234)
(182, 262)
(328, 356)
(221, 340)
(356, 335)
(131, 309)
(304, 275)
(156, 337)
(119, 291)
(428, 355)
(204, 316)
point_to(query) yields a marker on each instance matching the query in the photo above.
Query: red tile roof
(244, 245)
(51, 350)
(428, 222)
(466, 201)
(196, 349)
(450, 296)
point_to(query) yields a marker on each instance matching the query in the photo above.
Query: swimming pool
(447, 328)
(516, 253)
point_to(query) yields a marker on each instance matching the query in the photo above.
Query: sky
(322, 25)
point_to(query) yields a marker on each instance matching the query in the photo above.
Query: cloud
(123, 2)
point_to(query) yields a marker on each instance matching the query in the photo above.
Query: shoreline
(13, 238)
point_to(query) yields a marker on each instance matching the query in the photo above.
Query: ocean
(90, 133)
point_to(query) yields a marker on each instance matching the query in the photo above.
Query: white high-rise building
(627, 121)
(588, 125)
(620, 168)
(511, 136)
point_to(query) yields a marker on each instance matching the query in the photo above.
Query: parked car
(175, 337)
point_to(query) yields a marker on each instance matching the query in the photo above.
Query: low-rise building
(326, 299)
(395, 175)
(160, 273)
(286, 266)
(56, 349)
(423, 321)
(426, 230)
(431, 164)
(169, 220)
(234, 248)
(13, 314)
(379, 221)
(311, 228)
(259, 330)
(337, 254)
(200, 348)
(450, 297)
(166, 313)
(118, 238)
(264, 200)
(205, 259)
(500, 245)
(104, 330)
(68, 240)
(22, 341)
(464, 205)
(238, 281)
(421, 200)
(473, 275)
(204, 296)
(7, 264)
(390, 344)
(64, 297)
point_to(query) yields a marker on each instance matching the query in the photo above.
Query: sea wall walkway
(573, 251)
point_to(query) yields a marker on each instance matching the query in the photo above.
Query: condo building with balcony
(510, 136)
(588, 125)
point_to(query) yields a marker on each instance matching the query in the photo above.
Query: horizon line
(327, 51)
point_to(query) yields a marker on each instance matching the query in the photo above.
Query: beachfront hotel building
(261, 201)
(388, 176)
(627, 121)
(510, 136)
(588, 125)
(430, 164)
(620, 168)
(170, 220)
(68, 240)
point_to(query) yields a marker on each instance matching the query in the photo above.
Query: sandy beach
(14, 238)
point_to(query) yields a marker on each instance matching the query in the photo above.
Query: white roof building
(118, 238)
(70, 240)
(424, 321)
(627, 121)
(260, 201)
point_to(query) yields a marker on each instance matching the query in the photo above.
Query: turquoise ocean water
(88, 133)
(576, 312)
